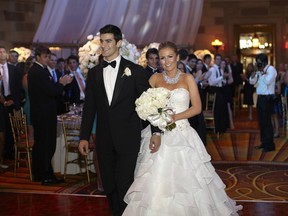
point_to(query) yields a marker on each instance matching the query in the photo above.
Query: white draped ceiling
(141, 21)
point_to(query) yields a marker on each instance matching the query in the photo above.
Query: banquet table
(58, 160)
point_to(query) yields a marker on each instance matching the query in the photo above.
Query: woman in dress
(177, 178)
(28, 64)
(249, 90)
(227, 86)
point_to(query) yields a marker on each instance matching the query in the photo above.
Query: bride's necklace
(173, 80)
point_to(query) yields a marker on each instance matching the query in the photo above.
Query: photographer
(264, 81)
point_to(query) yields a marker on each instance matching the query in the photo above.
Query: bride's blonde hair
(168, 44)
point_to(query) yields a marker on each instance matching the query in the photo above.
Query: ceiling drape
(141, 21)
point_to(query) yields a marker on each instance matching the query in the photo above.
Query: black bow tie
(112, 64)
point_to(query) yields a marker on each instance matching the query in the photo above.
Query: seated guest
(75, 91)
(152, 57)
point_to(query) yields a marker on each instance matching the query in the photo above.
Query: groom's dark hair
(112, 29)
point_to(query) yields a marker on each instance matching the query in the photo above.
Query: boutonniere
(127, 72)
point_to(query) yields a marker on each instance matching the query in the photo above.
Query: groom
(111, 90)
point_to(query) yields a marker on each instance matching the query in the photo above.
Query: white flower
(127, 72)
(152, 106)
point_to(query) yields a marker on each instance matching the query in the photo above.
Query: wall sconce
(216, 44)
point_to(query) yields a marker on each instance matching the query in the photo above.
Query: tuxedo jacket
(43, 93)
(72, 92)
(119, 120)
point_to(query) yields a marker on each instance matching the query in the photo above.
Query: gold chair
(22, 145)
(71, 130)
(209, 111)
(237, 101)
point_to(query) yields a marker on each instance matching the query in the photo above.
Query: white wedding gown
(179, 179)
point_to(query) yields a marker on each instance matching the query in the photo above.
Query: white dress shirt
(265, 84)
(215, 78)
(5, 79)
(110, 76)
(53, 73)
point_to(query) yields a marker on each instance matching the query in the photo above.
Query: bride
(177, 178)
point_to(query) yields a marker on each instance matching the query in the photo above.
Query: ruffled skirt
(177, 180)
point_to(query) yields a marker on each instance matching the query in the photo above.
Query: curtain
(141, 21)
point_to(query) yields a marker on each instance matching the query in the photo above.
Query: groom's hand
(155, 143)
(83, 147)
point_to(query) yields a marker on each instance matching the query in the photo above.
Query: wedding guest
(28, 64)
(112, 88)
(184, 57)
(178, 179)
(221, 117)
(192, 61)
(152, 61)
(75, 92)
(264, 79)
(43, 92)
(248, 90)
(60, 68)
(237, 73)
(10, 88)
(198, 121)
(227, 88)
(13, 57)
(277, 106)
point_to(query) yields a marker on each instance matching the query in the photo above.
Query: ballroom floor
(257, 180)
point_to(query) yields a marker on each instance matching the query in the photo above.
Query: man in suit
(111, 91)
(43, 92)
(75, 91)
(10, 85)
(152, 57)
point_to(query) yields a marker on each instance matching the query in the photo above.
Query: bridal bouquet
(152, 106)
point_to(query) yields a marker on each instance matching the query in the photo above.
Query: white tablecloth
(58, 160)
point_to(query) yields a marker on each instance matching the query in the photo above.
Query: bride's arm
(196, 107)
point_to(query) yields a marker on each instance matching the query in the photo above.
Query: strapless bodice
(179, 101)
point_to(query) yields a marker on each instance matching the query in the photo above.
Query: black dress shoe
(52, 181)
(259, 147)
(268, 149)
(36, 179)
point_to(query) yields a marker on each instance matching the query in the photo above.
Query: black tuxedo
(43, 93)
(15, 89)
(118, 128)
(150, 71)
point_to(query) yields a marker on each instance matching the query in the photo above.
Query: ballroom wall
(19, 20)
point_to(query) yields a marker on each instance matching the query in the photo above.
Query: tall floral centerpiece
(142, 60)
(23, 52)
(89, 53)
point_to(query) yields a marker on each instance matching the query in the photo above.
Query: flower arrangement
(142, 60)
(152, 106)
(89, 53)
(23, 52)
